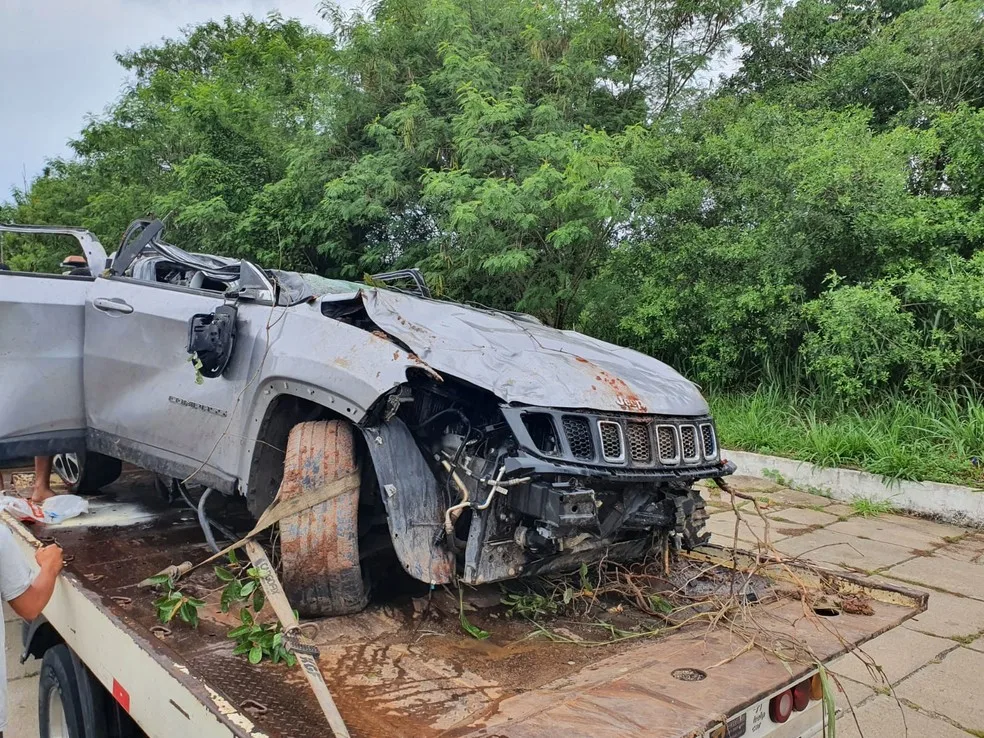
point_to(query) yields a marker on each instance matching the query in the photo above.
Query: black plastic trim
(42, 444)
(524, 464)
(514, 417)
(160, 461)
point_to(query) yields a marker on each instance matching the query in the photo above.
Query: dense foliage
(819, 208)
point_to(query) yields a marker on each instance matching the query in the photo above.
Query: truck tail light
(816, 687)
(801, 695)
(781, 706)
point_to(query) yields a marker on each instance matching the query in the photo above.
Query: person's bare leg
(42, 479)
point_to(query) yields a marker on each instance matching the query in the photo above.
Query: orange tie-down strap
(281, 508)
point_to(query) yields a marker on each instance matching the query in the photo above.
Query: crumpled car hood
(522, 361)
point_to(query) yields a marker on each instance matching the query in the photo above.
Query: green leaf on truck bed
(229, 595)
(473, 630)
(240, 631)
(171, 609)
(189, 612)
(255, 654)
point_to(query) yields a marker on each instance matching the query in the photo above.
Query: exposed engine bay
(528, 490)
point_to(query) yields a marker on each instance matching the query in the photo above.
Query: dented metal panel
(524, 361)
(412, 500)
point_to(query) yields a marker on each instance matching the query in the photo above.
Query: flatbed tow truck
(398, 670)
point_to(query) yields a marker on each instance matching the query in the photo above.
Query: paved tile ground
(22, 683)
(929, 681)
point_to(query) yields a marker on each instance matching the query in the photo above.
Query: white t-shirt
(15, 578)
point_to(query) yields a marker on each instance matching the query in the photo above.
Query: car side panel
(143, 401)
(328, 362)
(144, 405)
(41, 338)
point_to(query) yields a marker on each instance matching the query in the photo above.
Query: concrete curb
(949, 502)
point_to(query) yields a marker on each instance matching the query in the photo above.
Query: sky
(57, 65)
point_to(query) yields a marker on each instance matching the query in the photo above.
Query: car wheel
(87, 472)
(319, 548)
(691, 517)
(59, 708)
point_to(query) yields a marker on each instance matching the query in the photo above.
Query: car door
(145, 401)
(41, 349)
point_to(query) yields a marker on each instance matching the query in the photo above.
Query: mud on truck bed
(738, 636)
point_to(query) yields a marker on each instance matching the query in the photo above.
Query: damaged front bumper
(590, 485)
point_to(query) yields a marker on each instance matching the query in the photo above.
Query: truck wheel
(87, 472)
(319, 548)
(59, 709)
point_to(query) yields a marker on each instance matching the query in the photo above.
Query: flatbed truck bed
(397, 669)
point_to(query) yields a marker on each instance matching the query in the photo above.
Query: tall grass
(933, 437)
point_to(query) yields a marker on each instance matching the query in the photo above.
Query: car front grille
(688, 443)
(666, 441)
(709, 440)
(619, 440)
(578, 434)
(640, 445)
(612, 447)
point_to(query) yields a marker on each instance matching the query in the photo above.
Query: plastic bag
(63, 507)
(53, 510)
(23, 510)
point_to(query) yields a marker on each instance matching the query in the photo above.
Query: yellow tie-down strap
(274, 591)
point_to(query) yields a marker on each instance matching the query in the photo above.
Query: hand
(50, 558)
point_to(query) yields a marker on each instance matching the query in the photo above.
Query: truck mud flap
(412, 500)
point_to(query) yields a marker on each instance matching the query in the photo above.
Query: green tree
(485, 137)
(562, 158)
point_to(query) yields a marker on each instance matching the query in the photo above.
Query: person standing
(26, 596)
(42, 479)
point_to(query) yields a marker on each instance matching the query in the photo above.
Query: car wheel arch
(268, 428)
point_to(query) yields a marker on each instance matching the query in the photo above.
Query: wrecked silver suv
(482, 444)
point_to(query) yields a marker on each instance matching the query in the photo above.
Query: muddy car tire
(87, 472)
(319, 548)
